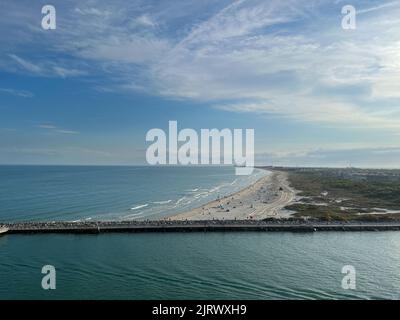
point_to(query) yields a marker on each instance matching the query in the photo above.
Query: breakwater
(193, 226)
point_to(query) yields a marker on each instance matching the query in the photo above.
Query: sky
(87, 92)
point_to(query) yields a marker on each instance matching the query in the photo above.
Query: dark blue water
(110, 193)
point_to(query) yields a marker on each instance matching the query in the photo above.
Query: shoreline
(266, 198)
(258, 207)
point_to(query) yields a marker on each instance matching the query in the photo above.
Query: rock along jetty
(192, 226)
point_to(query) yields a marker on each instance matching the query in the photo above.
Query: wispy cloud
(46, 68)
(54, 129)
(18, 93)
(46, 126)
(67, 131)
(88, 11)
(146, 21)
(64, 72)
(232, 57)
(25, 64)
(379, 7)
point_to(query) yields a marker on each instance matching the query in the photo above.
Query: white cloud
(54, 129)
(64, 72)
(92, 11)
(228, 58)
(19, 93)
(324, 112)
(46, 126)
(46, 68)
(67, 131)
(129, 49)
(146, 21)
(382, 6)
(26, 64)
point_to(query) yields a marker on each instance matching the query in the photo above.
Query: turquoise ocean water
(111, 193)
(202, 265)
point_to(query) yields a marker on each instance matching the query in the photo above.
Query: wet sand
(265, 198)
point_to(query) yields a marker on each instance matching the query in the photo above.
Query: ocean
(71, 193)
(241, 265)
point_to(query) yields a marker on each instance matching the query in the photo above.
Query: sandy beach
(264, 199)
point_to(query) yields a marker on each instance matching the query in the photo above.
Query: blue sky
(87, 92)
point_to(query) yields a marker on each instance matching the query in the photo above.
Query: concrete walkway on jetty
(3, 230)
(194, 226)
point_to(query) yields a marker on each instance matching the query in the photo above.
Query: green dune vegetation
(346, 194)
